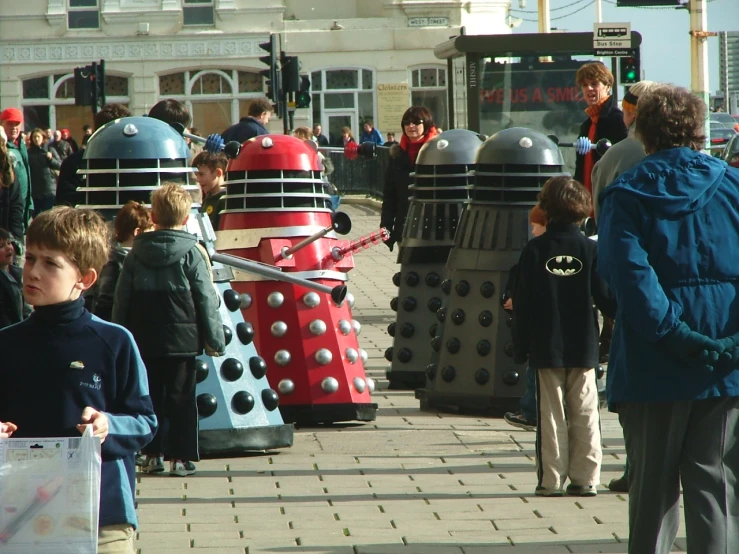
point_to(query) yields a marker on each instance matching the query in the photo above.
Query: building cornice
(83, 50)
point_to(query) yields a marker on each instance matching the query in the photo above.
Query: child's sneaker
(179, 468)
(542, 491)
(517, 419)
(581, 490)
(153, 464)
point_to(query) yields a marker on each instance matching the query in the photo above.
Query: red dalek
(278, 214)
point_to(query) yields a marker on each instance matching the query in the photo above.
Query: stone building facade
(366, 58)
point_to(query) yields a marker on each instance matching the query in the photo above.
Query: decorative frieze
(130, 50)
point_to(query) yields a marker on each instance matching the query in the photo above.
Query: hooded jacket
(667, 243)
(22, 169)
(166, 298)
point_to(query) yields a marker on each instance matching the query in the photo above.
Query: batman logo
(564, 266)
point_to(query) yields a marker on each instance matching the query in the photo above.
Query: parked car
(731, 152)
(726, 120)
(719, 139)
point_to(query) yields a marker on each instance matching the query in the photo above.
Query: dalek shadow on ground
(442, 180)
(126, 160)
(475, 370)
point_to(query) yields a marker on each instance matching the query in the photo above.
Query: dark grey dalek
(440, 188)
(127, 159)
(475, 371)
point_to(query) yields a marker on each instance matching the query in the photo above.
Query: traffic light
(89, 85)
(272, 74)
(629, 70)
(303, 97)
(290, 73)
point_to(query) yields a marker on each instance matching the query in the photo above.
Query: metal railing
(360, 176)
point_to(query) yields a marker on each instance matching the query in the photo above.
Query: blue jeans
(528, 400)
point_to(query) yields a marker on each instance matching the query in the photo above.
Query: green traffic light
(631, 75)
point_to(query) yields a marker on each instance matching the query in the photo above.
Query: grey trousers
(696, 442)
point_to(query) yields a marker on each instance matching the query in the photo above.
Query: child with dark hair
(210, 172)
(132, 219)
(13, 307)
(556, 331)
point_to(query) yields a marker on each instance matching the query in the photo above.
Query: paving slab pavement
(411, 482)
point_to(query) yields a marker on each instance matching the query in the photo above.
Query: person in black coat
(12, 306)
(42, 161)
(11, 203)
(605, 119)
(318, 135)
(418, 128)
(556, 331)
(69, 180)
(253, 125)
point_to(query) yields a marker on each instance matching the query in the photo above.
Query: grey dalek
(127, 159)
(442, 181)
(475, 370)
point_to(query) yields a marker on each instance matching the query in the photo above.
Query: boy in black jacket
(555, 328)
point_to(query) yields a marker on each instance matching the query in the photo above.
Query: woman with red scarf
(418, 127)
(604, 120)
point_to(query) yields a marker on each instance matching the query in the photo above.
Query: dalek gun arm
(373, 239)
(337, 293)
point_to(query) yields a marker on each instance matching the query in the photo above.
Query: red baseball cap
(11, 114)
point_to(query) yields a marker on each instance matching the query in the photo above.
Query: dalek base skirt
(311, 344)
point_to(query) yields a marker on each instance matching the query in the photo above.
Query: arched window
(216, 98)
(428, 88)
(48, 101)
(343, 98)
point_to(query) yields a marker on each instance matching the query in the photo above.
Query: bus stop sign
(612, 39)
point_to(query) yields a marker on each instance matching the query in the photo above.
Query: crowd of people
(661, 272)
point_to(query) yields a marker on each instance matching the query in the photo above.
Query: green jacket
(22, 169)
(166, 298)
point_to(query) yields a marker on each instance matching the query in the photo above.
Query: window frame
(78, 9)
(198, 4)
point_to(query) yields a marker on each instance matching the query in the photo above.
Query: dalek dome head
(275, 173)
(275, 153)
(520, 146)
(128, 158)
(444, 167)
(512, 165)
(453, 147)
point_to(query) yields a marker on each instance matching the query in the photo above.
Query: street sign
(611, 37)
(615, 52)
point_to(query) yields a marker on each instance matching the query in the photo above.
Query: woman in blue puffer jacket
(668, 243)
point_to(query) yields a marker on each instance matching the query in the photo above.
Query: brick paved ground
(411, 482)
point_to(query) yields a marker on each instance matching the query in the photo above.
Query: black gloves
(692, 348)
(390, 243)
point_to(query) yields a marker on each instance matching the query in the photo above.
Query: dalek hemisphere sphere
(128, 158)
(512, 166)
(275, 173)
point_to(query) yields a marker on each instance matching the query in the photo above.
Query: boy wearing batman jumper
(556, 330)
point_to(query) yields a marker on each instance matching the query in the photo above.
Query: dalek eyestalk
(342, 224)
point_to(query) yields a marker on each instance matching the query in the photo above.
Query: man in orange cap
(11, 120)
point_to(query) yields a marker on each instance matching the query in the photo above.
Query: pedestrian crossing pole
(699, 54)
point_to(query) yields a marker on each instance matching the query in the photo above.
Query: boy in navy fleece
(69, 369)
